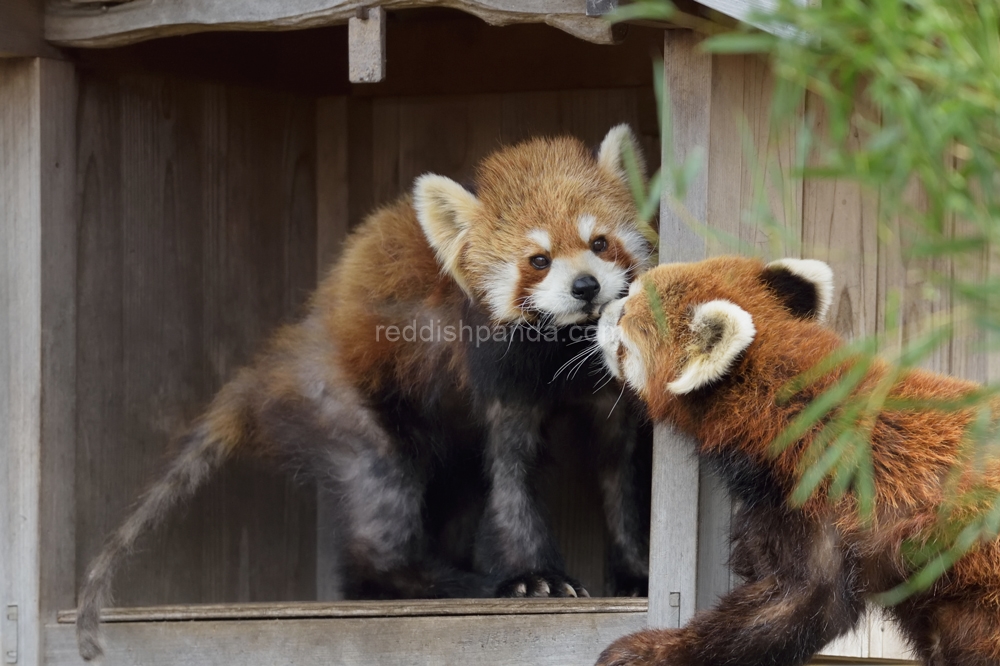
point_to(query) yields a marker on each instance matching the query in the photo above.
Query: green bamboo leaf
(820, 407)
(736, 42)
(656, 305)
(657, 10)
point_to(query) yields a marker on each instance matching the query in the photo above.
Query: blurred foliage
(909, 91)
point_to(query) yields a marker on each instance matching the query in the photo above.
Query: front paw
(541, 584)
(650, 648)
(624, 585)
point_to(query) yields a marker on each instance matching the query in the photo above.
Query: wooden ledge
(361, 609)
(78, 24)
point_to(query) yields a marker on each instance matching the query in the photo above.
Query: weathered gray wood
(21, 23)
(72, 24)
(366, 46)
(840, 227)
(36, 349)
(197, 238)
(498, 640)
(395, 608)
(58, 98)
(675, 515)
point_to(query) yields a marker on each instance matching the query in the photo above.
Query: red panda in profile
(710, 354)
(434, 352)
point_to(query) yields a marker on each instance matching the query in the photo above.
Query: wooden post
(674, 533)
(366, 45)
(37, 349)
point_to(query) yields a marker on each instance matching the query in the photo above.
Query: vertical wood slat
(37, 256)
(197, 238)
(675, 516)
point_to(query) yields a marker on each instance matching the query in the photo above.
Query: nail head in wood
(366, 45)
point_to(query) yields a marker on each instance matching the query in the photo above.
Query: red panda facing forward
(710, 354)
(423, 379)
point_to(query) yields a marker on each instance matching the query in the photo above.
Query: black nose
(585, 287)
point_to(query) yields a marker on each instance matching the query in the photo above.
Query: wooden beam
(674, 531)
(366, 46)
(37, 349)
(357, 609)
(498, 640)
(74, 24)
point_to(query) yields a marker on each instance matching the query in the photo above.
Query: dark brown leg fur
(951, 633)
(801, 595)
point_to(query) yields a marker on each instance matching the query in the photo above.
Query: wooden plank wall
(196, 239)
(392, 140)
(834, 221)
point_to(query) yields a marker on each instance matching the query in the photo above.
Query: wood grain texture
(366, 46)
(839, 221)
(674, 543)
(197, 237)
(500, 640)
(37, 101)
(71, 24)
(750, 165)
(395, 608)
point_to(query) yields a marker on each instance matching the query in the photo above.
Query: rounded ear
(613, 153)
(722, 330)
(445, 211)
(804, 285)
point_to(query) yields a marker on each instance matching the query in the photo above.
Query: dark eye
(539, 261)
(599, 244)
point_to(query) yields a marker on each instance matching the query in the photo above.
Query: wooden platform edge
(500, 640)
(368, 609)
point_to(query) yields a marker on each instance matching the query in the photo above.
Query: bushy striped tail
(201, 453)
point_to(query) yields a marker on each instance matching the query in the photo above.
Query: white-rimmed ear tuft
(805, 286)
(722, 330)
(611, 155)
(445, 210)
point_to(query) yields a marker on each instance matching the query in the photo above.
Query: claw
(543, 589)
(568, 590)
(584, 593)
(521, 590)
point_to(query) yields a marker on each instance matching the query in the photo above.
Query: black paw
(541, 584)
(625, 585)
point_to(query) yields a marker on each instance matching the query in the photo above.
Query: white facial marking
(635, 245)
(541, 237)
(633, 368)
(585, 225)
(501, 291)
(554, 295)
(609, 335)
(611, 338)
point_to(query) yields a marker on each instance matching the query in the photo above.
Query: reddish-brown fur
(956, 621)
(416, 436)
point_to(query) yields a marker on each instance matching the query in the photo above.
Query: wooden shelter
(173, 177)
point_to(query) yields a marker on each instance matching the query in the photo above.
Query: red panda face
(550, 236)
(683, 326)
